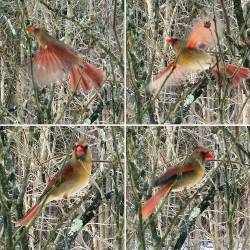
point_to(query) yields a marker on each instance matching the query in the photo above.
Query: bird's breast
(189, 179)
(194, 59)
(75, 183)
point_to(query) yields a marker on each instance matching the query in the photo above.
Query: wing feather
(171, 75)
(172, 174)
(53, 61)
(203, 34)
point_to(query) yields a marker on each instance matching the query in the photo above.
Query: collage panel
(61, 62)
(188, 187)
(61, 187)
(188, 62)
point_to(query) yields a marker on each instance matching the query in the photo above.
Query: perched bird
(54, 59)
(192, 58)
(178, 178)
(73, 176)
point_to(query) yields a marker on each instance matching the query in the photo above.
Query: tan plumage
(187, 175)
(192, 58)
(74, 176)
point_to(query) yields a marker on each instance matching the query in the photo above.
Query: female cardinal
(191, 57)
(70, 179)
(55, 58)
(178, 178)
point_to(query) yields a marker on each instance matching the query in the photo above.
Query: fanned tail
(233, 72)
(237, 74)
(87, 76)
(151, 204)
(31, 214)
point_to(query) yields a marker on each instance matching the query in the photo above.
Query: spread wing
(52, 61)
(203, 34)
(171, 75)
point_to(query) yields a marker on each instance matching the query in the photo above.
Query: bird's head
(203, 154)
(81, 149)
(37, 31)
(171, 40)
(176, 43)
(42, 36)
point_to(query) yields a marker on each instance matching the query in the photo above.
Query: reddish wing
(171, 75)
(55, 59)
(66, 173)
(52, 61)
(203, 34)
(173, 173)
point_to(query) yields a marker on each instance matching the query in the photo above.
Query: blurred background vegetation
(29, 157)
(92, 28)
(196, 100)
(212, 215)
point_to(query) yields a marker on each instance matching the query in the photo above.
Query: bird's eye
(209, 155)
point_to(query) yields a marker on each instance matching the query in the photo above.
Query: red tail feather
(30, 215)
(233, 72)
(87, 76)
(151, 204)
(237, 74)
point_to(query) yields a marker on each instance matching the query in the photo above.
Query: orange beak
(80, 152)
(209, 156)
(170, 40)
(32, 29)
